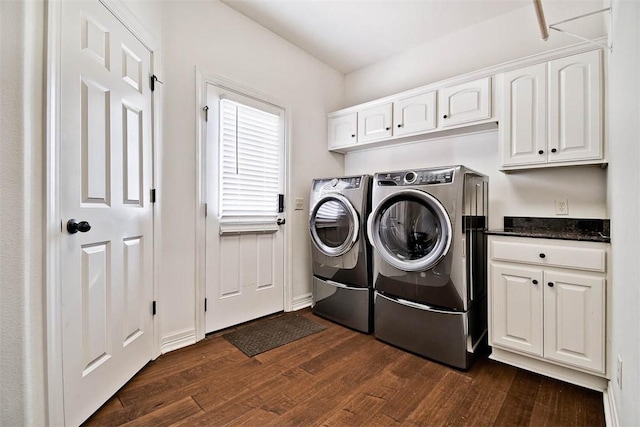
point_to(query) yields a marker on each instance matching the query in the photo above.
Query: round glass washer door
(334, 225)
(411, 230)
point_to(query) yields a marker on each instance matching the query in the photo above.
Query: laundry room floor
(343, 378)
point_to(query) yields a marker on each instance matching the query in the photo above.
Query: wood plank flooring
(339, 377)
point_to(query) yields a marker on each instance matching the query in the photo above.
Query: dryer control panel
(346, 183)
(417, 177)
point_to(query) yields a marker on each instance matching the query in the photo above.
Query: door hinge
(206, 209)
(153, 308)
(205, 304)
(153, 195)
(206, 113)
(153, 79)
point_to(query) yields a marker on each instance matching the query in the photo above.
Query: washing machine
(340, 252)
(429, 265)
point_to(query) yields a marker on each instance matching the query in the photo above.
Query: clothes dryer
(427, 229)
(340, 253)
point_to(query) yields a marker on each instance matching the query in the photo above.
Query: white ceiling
(351, 34)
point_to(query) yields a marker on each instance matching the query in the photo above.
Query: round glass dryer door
(334, 225)
(411, 230)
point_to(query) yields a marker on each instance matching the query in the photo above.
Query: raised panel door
(343, 130)
(464, 103)
(523, 124)
(375, 123)
(414, 114)
(105, 165)
(574, 319)
(575, 108)
(516, 312)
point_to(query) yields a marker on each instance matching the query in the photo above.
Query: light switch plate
(299, 203)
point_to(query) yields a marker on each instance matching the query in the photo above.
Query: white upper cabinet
(575, 108)
(414, 114)
(464, 103)
(523, 126)
(375, 123)
(343, 130)
(552, 113)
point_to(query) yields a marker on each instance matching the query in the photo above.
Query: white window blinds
(251, 142)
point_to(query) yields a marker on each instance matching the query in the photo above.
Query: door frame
(203, 78)
(54, 390)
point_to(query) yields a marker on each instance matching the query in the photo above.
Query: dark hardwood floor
(339, 377)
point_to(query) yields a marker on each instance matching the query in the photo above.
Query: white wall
(624, 204)
(524, 193)
(22, 398)
(220, 41)
(504, 38)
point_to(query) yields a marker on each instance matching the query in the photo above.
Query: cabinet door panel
(574, 319)
(374, 123)
(414, 114)
(575, 108)
(523, 125)
(516, 308)
(464, 103)
(342, 130)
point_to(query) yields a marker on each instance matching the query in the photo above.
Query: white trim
(54, 387)
(203, 78)
(610, 411)
(178, 340)
(302, 301)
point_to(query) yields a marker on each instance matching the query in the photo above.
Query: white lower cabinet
(548, 306)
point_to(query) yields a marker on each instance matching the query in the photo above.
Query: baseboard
(610, 412)
(302, 301)
(177, 340)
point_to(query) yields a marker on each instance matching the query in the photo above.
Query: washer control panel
(346, 183)
(416, 177)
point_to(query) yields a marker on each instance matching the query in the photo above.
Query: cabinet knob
(445, 116)
(542, 255)
(553, 150)
(387, 128)
(534, 281)
(541, 152)
(353, 135)
(401, 125)
(550, 284)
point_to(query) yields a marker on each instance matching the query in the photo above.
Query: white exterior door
(244, 258)
(105, 175)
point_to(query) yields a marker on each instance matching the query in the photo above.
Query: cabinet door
(464, 103)
(574, 307)
(374, 123)
(516, 308)
(575, 108)
(342, 130)
(523, 121)
(414, 114)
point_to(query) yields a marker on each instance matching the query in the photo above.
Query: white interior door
(244, 256)
(105, 174)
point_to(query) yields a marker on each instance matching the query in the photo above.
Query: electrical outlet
(619, 372)
(562, 207)
(299, 203)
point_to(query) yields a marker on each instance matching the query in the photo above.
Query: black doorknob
(550, 284)
(553, 150)
(73, 226)
(542, 255)
(445, 116)
(281, 221)
(541, 152)
(534, 281)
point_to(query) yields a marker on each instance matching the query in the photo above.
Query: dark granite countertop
(583, 229)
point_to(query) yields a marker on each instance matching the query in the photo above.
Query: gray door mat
(272, 333)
